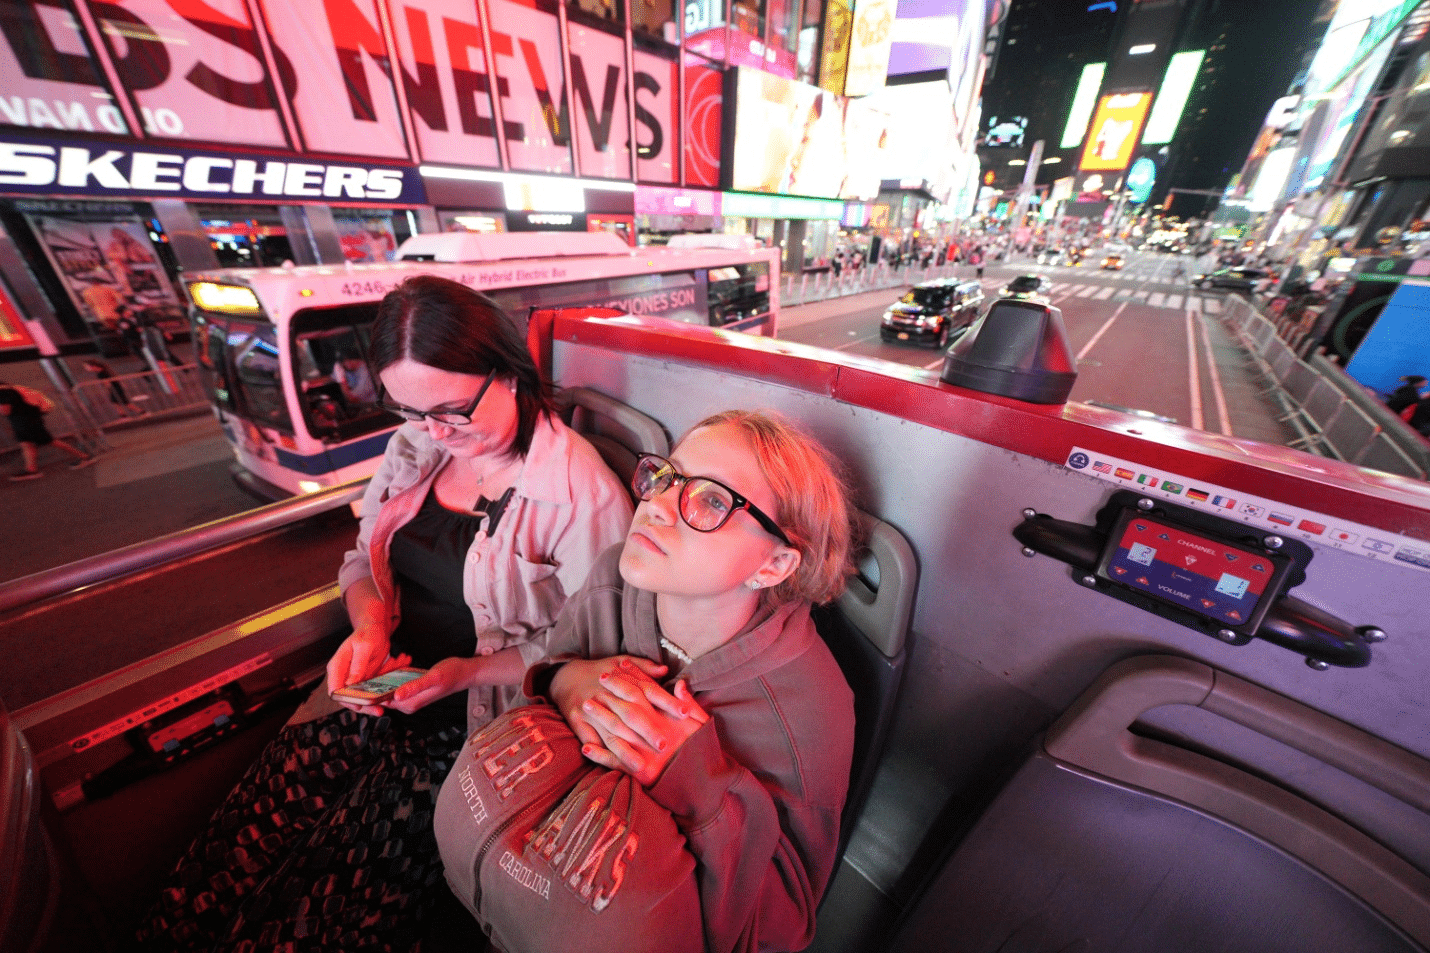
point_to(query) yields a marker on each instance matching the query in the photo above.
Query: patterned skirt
(325, 845)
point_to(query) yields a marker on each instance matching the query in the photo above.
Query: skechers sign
(51, 167)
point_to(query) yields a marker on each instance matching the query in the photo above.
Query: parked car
(1112, 262)
(931, 312)
(1025, 286)
(1238, 279)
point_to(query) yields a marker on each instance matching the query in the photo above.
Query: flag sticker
(1254, 513)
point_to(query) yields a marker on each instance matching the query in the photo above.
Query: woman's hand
(640, 724)
(362, 655)
(447, 676)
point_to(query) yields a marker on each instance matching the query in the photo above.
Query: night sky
(1255, 49)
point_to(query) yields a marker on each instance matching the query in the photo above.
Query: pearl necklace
(675, 650)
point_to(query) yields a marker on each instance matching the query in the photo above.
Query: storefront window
(808, 55)
(371, 234)
(245, 236)
(482, 222)
(781, 14)
(655, 19)
(595, 12)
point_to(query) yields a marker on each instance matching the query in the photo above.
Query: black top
(26, 420)
(428, 557)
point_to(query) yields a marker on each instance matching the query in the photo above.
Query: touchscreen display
(1207, 576)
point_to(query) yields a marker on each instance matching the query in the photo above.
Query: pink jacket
(567, 507)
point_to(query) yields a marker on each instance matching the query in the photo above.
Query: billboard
(1113, 134)
(1172, 97)
(1083, 101)
(1005, 131)
(408, 80)
(870, 42)
(795, 139)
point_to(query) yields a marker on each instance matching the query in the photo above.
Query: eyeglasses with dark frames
(452, 418)
(705, 504)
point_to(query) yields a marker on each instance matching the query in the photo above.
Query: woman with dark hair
(486, 513)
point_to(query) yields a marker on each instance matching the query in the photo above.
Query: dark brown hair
(444, 324)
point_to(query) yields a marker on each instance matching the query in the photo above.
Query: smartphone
(375, 691)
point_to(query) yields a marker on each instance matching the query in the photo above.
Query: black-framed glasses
(452, 418)
(705, 504)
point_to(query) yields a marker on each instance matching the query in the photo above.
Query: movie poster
(110, 269)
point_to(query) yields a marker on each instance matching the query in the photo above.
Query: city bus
(1121, 685)
(272, 341)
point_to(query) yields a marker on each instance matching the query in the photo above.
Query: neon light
(1083, 102)
(1172, 97)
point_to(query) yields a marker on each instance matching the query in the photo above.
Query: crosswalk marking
(1211, 306)
(1104, 294)
(1194, 303)
(1084, 291)
(1155, 299)
(1173, 301)
(1140, 295)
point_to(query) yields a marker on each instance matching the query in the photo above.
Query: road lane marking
(1195, 376)
(1194, 304)
(1215, 377)
(1100, 332)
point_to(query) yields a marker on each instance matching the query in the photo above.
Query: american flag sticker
(1101, 467)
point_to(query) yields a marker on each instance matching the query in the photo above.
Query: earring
(754, 584)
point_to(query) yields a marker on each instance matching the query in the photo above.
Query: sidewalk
(156, 478)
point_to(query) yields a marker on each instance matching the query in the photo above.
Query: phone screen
(380, 687)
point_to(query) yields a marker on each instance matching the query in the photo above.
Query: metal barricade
(169, 391)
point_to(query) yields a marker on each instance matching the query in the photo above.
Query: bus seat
(1174, 808)
(29, 868)
(866, 629)
(616, 430)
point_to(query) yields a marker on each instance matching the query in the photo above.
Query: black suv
(1025, 286)
(932, 311)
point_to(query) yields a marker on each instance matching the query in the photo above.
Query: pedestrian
(27, 421)
(687, 663)
(975, 258)
(1407, 393)
(486, 513)
(117, 395)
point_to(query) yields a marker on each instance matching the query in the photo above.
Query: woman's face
(663, 554)
(420, 387)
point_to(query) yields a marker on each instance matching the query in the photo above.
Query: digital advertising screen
(795, 139)
(1113, 135)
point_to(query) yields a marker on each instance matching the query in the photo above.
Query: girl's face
(420, 387)
(663, 554)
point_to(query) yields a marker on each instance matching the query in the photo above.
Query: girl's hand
(641, 725)
(580, 680)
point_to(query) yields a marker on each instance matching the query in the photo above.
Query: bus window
(738, 292)
(254, 352)
(339, 395)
